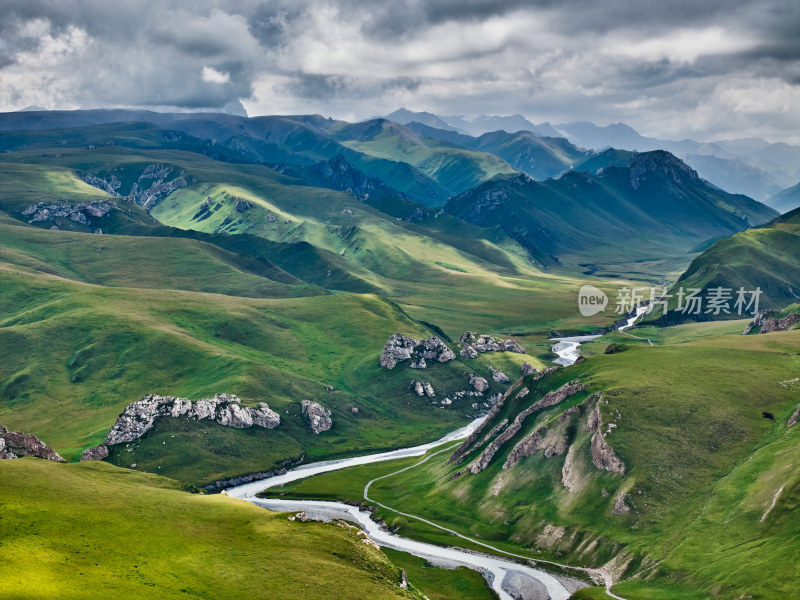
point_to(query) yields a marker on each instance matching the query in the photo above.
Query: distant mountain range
(645, 202)
(750, 166)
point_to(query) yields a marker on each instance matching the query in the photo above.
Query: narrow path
(604, 575)
(637, 337)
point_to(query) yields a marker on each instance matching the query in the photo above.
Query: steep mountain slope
(655, 205)
(752, 167)
(764, 257)
(124, 534)
(785, 200)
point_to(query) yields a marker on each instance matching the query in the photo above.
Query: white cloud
(211, 75)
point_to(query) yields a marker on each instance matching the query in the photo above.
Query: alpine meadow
(430, 300)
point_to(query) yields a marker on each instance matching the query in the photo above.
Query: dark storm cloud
(664, 65)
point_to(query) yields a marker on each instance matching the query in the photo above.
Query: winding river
(505, 576)
(502, 574)
(567, 347)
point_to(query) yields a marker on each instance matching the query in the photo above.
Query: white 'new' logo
(591, 300)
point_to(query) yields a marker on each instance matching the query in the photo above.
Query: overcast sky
(706, 69)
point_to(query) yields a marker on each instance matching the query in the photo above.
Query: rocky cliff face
(319, 417)
(549, 399)
(15, 444)
(401, 347)
(603, 455)
(551, 439)
(225, 409)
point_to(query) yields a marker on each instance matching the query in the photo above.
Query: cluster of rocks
(225, 409)
(423, 389)
(80, 213)
(401, 347)
(15, 444)
(141, 193)
(486, 405)
(770, 324)
(319, 417)
(474, 344)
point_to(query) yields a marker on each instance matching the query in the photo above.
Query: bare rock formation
(551, 439)
(319, 417)
(15, 444)
(479, 383)
(527, 369)
(549, 399)
(139, 416)
(95, 453)
(475, 344)
(603, 455)
(499, 376)
(423, 389)
(401, 347)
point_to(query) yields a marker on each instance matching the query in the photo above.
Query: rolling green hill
(538, 156)
(702, 506)
(73, 530)
(455, 169)
(763, 257)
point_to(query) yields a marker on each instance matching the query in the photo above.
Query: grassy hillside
(705, 450)
(454, 168)
(72, 528)
(764, 257)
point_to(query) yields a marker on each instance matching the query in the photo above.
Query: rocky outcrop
(527, 369)
(569, 472)
(80, 213)
(475, 344)
(785, 324)
(522, 393)
(15, 444)
(795, 416)
(95, 453)
(620, 508)
(551, 439)
(549, 399)
(241, 205)
(770, 324)
(149, 189)
(319, 417)
(499, 376)
(401, 347)
(138, 418)
(603, 455)
(479, 383)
